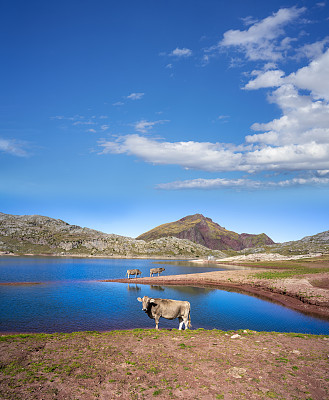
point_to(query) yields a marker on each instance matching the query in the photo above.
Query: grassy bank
(144, 364)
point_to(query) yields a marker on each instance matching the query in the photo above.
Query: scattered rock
(236, 336)
(236, 372)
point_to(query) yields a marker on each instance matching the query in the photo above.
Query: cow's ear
(139, 299)
(152, 301)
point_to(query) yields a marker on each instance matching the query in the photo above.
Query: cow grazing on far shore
(156, 271)
(169, 309)
(135, 272)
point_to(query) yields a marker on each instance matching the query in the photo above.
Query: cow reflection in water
(157, 287)
(134, 288)
(169, 309)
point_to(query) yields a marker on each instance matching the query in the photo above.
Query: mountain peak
(202, 230)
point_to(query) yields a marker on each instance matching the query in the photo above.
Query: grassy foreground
(165, 364)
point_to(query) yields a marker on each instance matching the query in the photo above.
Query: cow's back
(171, 309)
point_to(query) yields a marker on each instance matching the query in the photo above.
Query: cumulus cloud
(212, 157)
(265, 79)
(184, 52)
(314, 77)
(13, 147)
(305, 117)
(261, 40)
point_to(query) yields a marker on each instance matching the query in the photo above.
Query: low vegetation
(165, 364)
(296, 268)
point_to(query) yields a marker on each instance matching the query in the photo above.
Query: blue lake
(71, 299)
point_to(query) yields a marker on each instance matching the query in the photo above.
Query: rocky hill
(318, 243)
(204, 231)
(35, 234)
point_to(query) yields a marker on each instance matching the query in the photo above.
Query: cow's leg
(156, 322)
(186, 322)
(180, 319)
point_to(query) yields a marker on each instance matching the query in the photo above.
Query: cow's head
(146, 301)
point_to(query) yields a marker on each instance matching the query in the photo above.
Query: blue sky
(121, 116)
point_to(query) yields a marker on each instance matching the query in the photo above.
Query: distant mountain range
(39, 235)
(191, 237)
(204, 231)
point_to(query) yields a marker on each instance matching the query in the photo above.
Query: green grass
(286, 270)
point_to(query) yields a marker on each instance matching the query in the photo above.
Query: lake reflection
(70, 304)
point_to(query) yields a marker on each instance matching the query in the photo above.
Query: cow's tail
(189, 319)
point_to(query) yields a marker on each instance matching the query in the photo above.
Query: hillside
(318, 243)
(204, 231)
(35, 234)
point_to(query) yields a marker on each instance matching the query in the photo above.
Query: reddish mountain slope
(202, 230)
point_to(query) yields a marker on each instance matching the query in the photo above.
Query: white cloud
(135, 96)
(261, 40)
(313, 50)
(184, 52)
(144, 126)
(297, 141)
(105, 127)
(118, 103)
(91, 130)
(270, 78)
(314, 77)
(305, 118)
(208, 156)
(13, 147)
(243, 184)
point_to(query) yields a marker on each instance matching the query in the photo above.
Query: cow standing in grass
(156, 271)
(169, 309)
(135, 272)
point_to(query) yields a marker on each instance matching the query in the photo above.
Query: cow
(135, 272)
(169, 309)
(156, 271)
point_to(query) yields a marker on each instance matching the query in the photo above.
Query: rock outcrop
(204, 231)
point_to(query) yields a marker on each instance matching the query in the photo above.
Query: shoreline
(118, 257)
(219, 280)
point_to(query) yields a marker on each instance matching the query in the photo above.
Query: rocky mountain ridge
(318, 243)
(204, 231)
(35, 234)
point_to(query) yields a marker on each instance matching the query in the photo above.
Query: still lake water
(70, 298)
